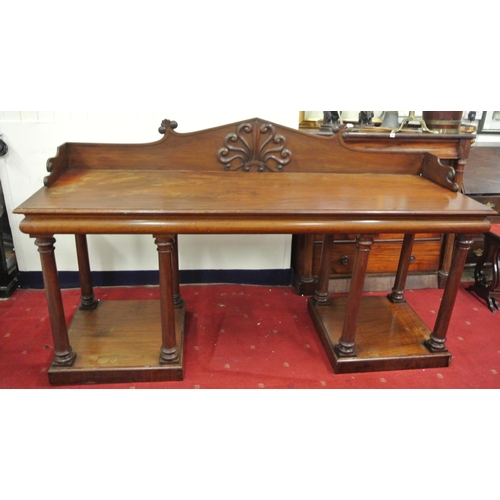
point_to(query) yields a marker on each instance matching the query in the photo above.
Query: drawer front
(393, 237)
(384, 257)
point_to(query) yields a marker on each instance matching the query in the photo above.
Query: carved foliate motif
(255, 146)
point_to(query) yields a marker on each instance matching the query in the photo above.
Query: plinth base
(388, 336)
(119, 341)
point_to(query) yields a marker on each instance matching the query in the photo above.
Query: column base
(67, 360)
(88, 304)
(396, 297)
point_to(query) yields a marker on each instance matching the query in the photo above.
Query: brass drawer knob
(344, 260)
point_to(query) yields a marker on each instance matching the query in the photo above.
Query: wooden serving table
(252, 177)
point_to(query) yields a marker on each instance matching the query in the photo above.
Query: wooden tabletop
(271, 198)
(104, 191)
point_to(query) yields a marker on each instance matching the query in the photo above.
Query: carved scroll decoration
(255, 145)
(435, 171)
(56, 165)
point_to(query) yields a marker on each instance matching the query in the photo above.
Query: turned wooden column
(347, 341)
(436, 342)
(63, 352)
(88, 301)
(397, 295)
(166, 250)
(321, 292)
(178, 302)
(447, 255)
(304, 281)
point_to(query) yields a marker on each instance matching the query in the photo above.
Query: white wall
(33, 137)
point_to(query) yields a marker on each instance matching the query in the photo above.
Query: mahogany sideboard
(431, 257)
(250, 177)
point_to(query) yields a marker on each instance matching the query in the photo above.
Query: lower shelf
(119, 341)
(388, 336)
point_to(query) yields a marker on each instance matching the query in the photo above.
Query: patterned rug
(256, 337)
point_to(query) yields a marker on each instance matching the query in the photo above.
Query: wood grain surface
(157, 192)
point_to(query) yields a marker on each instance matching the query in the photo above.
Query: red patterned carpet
(256, 337)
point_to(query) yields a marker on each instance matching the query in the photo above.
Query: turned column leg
(63, 353)
(169, 349)
(436, 342)
(305, 279)
(88, 301)
(449, 243)
(347, 343)
(398, 291)
(321, 292)
(178, 301)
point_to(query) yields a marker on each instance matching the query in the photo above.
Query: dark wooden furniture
(8, 263)
(487, 282)
(482, 183)
(431, 256)
(251, 177)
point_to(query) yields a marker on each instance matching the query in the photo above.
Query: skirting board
(382, 283)
(69, 279)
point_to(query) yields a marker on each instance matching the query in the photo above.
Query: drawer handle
(478, 252)
(490, 205)
(412, 258)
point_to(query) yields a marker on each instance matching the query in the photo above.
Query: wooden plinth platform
(388, 336)
(119, 341)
